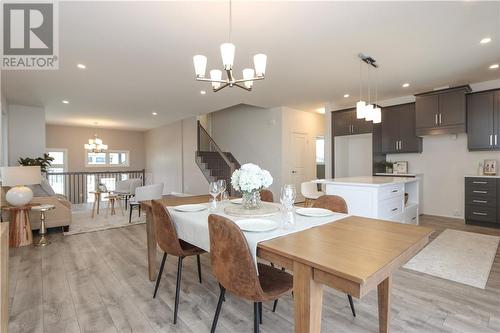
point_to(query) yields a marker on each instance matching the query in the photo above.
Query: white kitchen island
(378, 197)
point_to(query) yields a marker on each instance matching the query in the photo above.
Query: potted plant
(44, 162)
(250, 179)
(389, 166)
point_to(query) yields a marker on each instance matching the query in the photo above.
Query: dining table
(352, 254)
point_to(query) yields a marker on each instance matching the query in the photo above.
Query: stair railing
(206, 143)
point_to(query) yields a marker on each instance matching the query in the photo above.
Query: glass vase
(251, 200)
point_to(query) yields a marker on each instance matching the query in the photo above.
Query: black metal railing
(224, 162)
(76, 186)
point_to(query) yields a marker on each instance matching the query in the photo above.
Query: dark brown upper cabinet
(346, 123)
(483, 120)
(441, 111)
(398, 130)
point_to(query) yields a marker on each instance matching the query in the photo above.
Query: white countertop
(398, 174)
(376, 181)
(482, 176)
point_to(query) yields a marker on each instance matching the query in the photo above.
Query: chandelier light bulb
(216, 75)
(369, 112)
(200, 65)
(227, 53)
(248, 73)
(377, 115)
(360, 109)
(259, 61)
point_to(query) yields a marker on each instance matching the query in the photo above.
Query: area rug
(459, 256)
(83, 222)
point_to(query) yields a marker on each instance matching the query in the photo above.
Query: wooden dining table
(354, 255)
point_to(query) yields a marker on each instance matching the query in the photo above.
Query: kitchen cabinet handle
(436, 118)
(482, 192)
(496, 139)
(481, 214)
(440, 119)
(394, 191)
(478, 182)
(400, 144)
(480, 201)
(396, 144)
(394, 209)
(491, 140)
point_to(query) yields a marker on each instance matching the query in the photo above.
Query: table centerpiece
(250, 179)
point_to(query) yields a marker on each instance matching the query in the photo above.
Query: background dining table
(354, 255)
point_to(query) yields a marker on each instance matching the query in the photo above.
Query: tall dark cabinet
(398, 130)
(483, 120)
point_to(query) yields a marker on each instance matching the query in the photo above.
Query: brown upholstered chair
(167, 240)
(266, 195)
(335, 204)
(234, 268)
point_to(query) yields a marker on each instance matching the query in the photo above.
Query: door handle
(400, 144)
(440, 119)
(293, 171)
(491, 140)
(436, 118)
(496, 139)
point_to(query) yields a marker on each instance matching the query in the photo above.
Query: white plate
(257, 225)
(314, 212)
(238, 201)
(190, 208)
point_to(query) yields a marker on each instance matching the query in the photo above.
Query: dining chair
(169, 243)
(309, 191)
(266, 195)
(234, 268)
(335, 204)
(144, 193)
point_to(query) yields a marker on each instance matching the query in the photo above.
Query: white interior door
(299, 157)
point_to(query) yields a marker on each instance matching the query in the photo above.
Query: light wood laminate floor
(97, 282)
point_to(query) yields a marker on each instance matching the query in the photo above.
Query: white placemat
(193, 227)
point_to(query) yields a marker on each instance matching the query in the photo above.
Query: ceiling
(139, 56)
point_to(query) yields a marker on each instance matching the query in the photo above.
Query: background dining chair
(335, 204)
(234, 268)
(167, 240)
(144, 193)
(266, 195)
(309, 191)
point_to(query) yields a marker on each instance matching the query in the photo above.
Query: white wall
(26, 133)
(170, 158)
(4, 130)
(252, 135)
(444, 162)
(353, 155)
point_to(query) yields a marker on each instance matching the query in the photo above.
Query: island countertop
(375, 181)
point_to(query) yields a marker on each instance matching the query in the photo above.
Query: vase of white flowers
(250, 179)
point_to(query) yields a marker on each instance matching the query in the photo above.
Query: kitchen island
(378, 197)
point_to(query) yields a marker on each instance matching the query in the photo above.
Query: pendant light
(377, 112)
(360, 105)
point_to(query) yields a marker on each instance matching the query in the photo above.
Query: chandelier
(227, 54)
(368, 111)
(95, 145)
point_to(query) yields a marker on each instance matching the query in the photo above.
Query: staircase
(212, 161)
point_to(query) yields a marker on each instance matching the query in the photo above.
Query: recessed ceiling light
(203, 92)
(65, 101)
(320, 110)
(494, 66)
(154, 113)
(485, 40)
(346, 95)
(406, 85)
(81, 66)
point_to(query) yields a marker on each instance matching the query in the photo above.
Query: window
(58, 165)
(111, 158)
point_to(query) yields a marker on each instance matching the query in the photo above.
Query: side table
(112, 199)
(43, 230)
(20, 233)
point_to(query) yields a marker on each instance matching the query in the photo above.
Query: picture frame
(490, 167)
(401, 167)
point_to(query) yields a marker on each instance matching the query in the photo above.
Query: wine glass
(213, 189)
(288, 195)
(222, 186)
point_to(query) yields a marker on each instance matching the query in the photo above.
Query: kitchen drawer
(391, 191)
(481, 213)
(481, 192)
(411, 215)
(481, 201)
(471, 182)
(390, 207)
